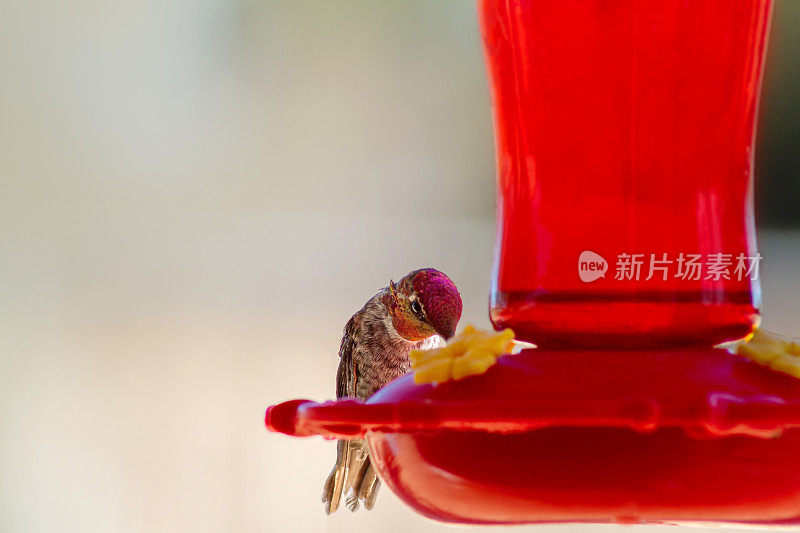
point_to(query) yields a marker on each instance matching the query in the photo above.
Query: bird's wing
(346, 376)
(352, 475)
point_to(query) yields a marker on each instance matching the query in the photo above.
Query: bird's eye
(416, 308)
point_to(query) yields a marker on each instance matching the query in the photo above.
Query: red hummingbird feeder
(624, 135)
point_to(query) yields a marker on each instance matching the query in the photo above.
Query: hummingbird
(420, 312)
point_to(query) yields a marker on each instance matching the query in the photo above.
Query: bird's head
(425, 302)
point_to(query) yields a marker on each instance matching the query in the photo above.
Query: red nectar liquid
(624, 127)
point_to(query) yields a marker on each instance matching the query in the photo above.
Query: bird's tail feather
(332, 491)
(368, 486)
(352, 476)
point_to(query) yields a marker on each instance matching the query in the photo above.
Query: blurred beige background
(195, 198)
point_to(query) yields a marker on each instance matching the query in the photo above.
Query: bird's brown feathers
(372, 353)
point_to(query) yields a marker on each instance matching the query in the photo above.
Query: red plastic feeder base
(576, 436)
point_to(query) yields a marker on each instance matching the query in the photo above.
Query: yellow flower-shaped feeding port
(774, 351)
(469, 353)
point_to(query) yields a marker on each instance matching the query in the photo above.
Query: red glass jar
(624, 132)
